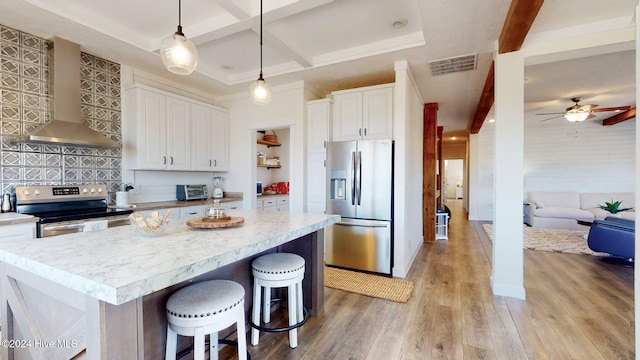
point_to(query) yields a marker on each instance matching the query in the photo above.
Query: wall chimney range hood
(66, 128)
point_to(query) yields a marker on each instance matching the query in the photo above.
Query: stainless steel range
(65, 209)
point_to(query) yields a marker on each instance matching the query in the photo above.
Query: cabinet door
(192, 211)
(18, 232)
(178, 134)
(220, 154)
(317, 127)
(152, 131)
(269, 204)
(316, 183)
(377, 116)
(233, 205)
(282, 204)
(201, 138)
(347, 117)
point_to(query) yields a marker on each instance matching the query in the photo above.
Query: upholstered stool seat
(206, 308)
(273, 271)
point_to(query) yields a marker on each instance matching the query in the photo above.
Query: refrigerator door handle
(362, 225)
(359, 177)
(353, 178)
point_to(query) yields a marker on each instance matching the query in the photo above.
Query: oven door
(75, 226)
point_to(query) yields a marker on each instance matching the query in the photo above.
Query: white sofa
(563, 209)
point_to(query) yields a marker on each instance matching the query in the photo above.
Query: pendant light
(260, 90)
(179, 55)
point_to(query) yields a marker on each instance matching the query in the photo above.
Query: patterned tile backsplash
(26, 104)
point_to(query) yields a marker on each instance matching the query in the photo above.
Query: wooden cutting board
(204, 223)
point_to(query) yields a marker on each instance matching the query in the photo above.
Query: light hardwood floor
(577, 307)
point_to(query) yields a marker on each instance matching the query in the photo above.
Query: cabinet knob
(164, 160)
(365, 131)
(360, 132)
(171, 161)
(209, 162)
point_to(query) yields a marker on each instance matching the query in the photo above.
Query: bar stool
(273, 271)
(206, 308)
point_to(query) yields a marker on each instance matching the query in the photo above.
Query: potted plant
(613, 207)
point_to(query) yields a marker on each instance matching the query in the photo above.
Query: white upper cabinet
(210, 138)
(163, 131)
(178, 134)
(318, 112)
(365, 113)
(220, 138)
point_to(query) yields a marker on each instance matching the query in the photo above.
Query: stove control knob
(99, 190)
(25, 192)
(36, 192)
(92, 190)
(84, 191)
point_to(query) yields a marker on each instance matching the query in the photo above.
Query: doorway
(454, 179)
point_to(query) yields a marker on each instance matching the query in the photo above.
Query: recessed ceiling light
(453, 138)
(399, 24)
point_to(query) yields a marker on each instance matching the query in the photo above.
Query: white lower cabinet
(233, 205)
(175, 212)
(275, 203)
(18, 232)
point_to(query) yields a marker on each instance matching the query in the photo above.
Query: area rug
(558, 240)
(381, 287)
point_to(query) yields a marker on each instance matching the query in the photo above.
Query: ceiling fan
(577, 112)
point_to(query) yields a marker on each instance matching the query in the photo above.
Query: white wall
(585, 157)
(407, 132)
(485, 173)
(285, 110)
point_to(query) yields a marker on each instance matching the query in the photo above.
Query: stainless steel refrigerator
(360, 189)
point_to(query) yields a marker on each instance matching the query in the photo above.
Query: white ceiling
(339, 44)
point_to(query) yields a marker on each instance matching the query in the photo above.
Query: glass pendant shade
(179, 55)
(576, 116)
(260, 92)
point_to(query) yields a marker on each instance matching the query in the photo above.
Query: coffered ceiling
(338, 44)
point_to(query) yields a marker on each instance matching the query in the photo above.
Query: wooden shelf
(269, 166)
(268, 143)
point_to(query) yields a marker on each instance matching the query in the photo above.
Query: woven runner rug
(558, 240)
(381, 287)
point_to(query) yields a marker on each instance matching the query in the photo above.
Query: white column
(637, 195)
(474, 177)
(507, 275)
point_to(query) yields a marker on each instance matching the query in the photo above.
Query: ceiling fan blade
(553, 113)
(591, 116)
(615, 108)
(551, 118)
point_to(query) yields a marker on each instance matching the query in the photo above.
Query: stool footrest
(305, 317)
(185, 352)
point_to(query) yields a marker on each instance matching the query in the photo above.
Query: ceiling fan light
(576, 116)
(179, 55)
(260, 92)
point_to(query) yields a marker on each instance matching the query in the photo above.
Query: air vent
(453, 65)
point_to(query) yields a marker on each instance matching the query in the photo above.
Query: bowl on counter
(152, 226)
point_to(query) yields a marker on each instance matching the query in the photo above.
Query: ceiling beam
(485, 103)
(519, 19)
(618, 118)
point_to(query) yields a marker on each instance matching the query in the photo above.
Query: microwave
(191, 192)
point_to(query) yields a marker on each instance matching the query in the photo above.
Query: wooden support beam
(485, 103)
(440, 132)
(620, 117)
(430, 121)
(520, 17)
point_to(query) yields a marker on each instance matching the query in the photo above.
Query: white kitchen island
(101, 295)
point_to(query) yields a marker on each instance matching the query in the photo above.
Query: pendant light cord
(179, 32)
(261, 40)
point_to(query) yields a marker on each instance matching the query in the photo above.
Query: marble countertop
(12, 218)
(117, 265)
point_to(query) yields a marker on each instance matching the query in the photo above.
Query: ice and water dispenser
(338, 185)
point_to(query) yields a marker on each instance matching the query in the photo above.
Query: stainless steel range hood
(66, 128)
